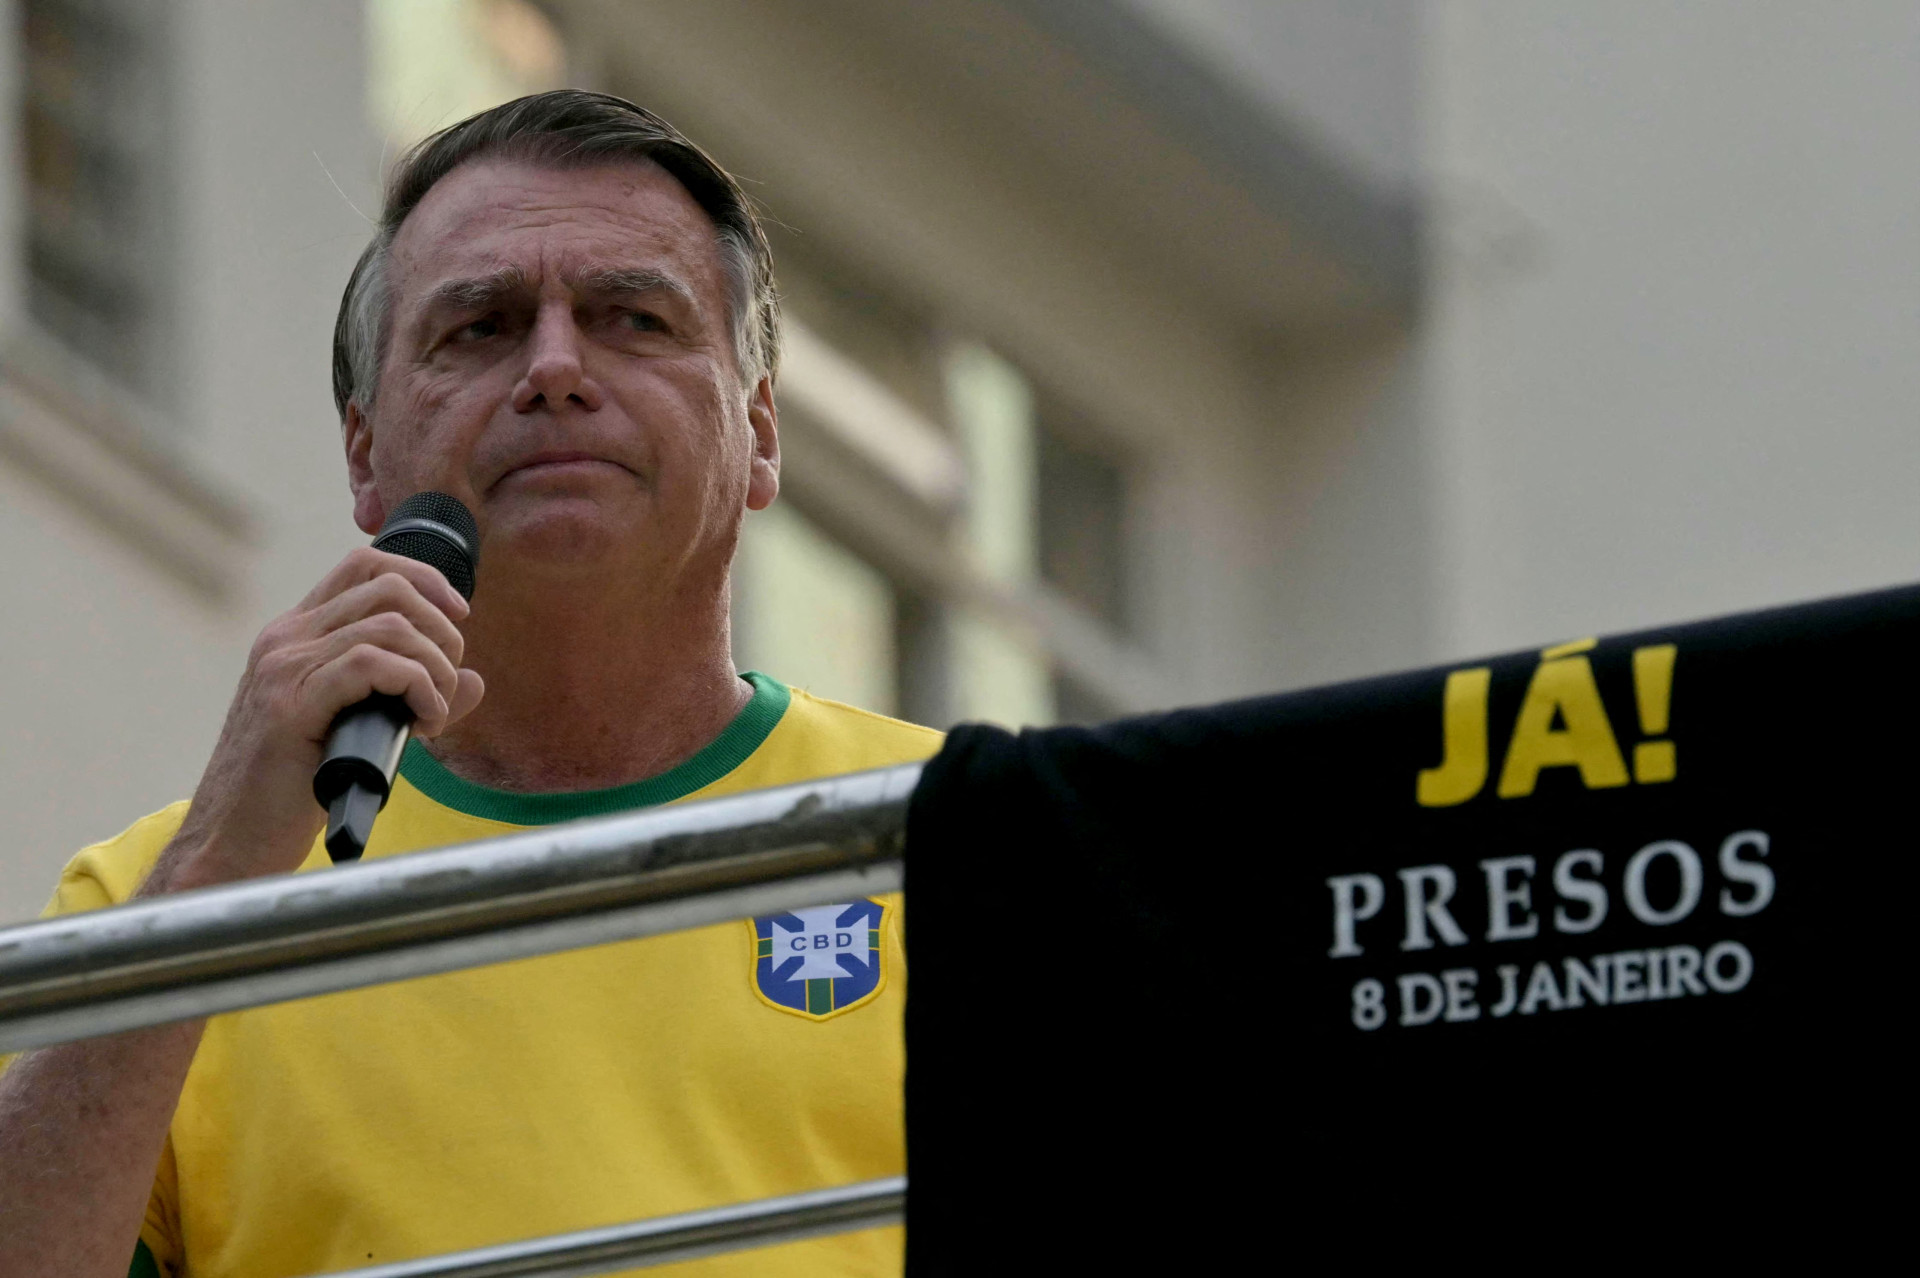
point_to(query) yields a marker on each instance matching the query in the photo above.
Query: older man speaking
(567, 319)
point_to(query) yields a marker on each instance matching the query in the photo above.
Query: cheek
(423, 434)
(732, 446)
(711, 438)
(432, 400)
(723, 409)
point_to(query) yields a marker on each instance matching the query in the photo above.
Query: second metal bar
(868, 1204)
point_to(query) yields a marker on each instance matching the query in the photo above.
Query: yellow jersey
(548, 1094)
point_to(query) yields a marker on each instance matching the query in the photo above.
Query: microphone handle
(356, 773)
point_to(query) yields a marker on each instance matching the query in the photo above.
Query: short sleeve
(108, 873)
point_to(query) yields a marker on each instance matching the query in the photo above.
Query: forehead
(553, 221)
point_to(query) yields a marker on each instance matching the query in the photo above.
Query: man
(567, 320)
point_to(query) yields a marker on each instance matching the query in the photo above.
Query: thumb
(465, 697)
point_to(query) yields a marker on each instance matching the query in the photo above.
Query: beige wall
(1675, 309)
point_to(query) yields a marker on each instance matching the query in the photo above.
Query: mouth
(558, 464)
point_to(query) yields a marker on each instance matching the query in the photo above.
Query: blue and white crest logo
(821, 961)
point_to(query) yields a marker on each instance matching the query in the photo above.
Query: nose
(555, 373)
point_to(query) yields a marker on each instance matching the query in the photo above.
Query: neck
(589, 689)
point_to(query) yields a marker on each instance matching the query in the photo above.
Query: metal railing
(191, 954)
(666, 1239)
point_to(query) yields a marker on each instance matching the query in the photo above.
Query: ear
(763, 483)
(369, 511)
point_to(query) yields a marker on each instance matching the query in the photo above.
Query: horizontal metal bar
(177, 956)
(666, 1239)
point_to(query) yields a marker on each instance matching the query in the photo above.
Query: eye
(645, 322)
(478, 330)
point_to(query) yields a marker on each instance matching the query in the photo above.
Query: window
(1000, 673)
(1082, 504)
(94, 121)
(1082, 516)
(813, 614)
(954, 542)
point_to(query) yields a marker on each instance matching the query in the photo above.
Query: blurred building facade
(1141, 351)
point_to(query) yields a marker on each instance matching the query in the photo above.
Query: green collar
(722, 755)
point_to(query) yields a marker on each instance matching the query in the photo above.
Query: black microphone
(364, 744)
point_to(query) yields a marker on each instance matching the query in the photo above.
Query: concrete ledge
(66, 425)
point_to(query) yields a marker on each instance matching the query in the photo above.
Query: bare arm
(82, 1125)
(81, 1130)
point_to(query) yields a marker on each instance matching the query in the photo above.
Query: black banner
(1581, 930)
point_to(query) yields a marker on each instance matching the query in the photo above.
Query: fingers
(377, 623)
(394, 593)
(363, 670)
(382, 653)
(366, 564)
(465, 697)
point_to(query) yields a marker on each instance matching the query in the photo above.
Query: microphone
(355, 775)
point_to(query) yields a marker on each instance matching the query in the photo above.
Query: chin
(567, 533)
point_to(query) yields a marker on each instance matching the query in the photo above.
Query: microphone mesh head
(453, 546)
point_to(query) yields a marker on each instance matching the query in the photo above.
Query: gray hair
(570, 128)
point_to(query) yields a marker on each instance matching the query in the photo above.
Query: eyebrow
(475, 291)
(621, 281)
(483, 290)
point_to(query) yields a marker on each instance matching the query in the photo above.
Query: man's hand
(376, 623)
